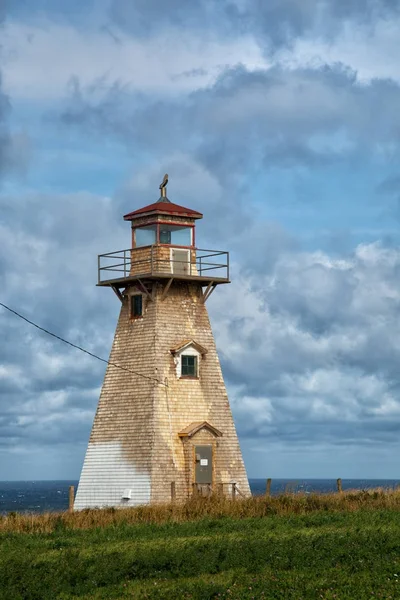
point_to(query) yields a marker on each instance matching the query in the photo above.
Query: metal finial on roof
(163, 188)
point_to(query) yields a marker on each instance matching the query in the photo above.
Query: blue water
(42, 496)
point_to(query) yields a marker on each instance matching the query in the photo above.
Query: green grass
(344, 555)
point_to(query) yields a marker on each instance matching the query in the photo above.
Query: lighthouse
(163, 427)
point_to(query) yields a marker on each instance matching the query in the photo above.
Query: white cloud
(41, 58)
(370, 49)
(314, 342)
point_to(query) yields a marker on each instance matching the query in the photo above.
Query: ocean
(43, 496)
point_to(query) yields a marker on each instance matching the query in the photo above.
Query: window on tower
(189, 366)
(136, 306)
(176, 235)
(145, 236)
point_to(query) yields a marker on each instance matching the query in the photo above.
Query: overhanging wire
(108, 362)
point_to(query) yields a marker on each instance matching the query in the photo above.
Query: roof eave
(189, 432)
(187, 344)
(153, 212)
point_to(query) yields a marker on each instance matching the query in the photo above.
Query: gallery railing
(151, 260)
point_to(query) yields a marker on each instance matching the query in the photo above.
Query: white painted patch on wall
(107, 477)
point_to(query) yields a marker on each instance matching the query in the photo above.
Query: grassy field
(344, 547)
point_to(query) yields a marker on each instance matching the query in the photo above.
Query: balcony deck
(118, 269)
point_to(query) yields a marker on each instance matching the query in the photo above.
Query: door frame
(210, 444)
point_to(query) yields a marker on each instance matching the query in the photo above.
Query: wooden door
(180, 262)
(203, 468)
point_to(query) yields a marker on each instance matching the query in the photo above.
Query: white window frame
(189, 351)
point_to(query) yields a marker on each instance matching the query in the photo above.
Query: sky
(279, 120)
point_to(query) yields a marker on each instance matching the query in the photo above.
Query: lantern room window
(189, 366)
(145, 236)
(175, 235)
(170, 235)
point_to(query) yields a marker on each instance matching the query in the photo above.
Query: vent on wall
(127, 495)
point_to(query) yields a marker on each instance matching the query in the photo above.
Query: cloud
(309, 345)
(146, 17)
(224, 96)
(4, 110)
(253, 119)
(48, 271)
(15, 147)
(280, 22)
(369, 48)
(390, 185)
(276, 23)
(4, 136)
(38, 67)
(310, 349)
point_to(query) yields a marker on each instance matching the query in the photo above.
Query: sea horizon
(51, 495)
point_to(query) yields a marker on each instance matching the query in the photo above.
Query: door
(203, 469)
(180, 261)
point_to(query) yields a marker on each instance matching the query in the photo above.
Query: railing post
(151, 259)
(71, 498)
(227, 264)
(124, 263)
(268, 488)
(98, 268)
(200, 265)
(233, 491)
(339, 485)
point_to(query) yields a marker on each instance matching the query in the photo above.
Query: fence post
(71, 498)
(233, 491)
(268, 488)
(173, 491)
(339, 485)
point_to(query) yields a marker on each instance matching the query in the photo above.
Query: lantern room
(163, 234)
(163, 245)
(163, 223)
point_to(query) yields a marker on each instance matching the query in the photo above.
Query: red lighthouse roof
(161, 207)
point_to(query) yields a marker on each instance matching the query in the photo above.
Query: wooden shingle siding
(134, 442)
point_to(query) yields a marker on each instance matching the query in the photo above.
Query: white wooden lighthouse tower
(163, 424)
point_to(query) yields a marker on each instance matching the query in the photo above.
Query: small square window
(136, 306)
(189, 366)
